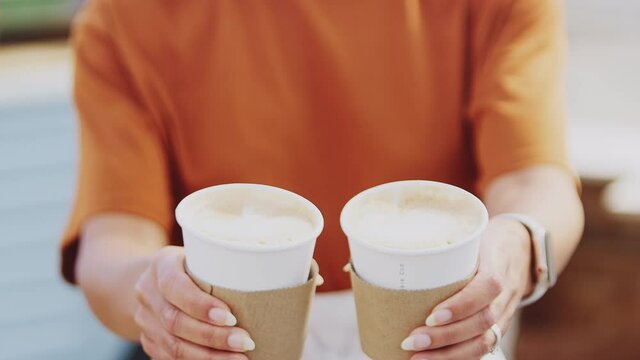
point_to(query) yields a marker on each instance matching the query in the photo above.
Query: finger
(218, 337)
(148, 295)
(182, 325)
(507, 316)
(152, 349)
(473, 348)
(478, 294)
(144, 293)
(189, 329)
(178, 288)
(175, 347)
(426, 337)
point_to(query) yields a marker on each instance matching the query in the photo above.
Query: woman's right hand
(178, 320)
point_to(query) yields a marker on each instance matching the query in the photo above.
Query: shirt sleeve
(517, 97)
(123, 160)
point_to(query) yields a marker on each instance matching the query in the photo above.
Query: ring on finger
(495, 329)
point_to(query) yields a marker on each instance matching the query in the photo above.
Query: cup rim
(318, 223)
(417, 252)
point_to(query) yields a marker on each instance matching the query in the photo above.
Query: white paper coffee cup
(413, 269)
(247, 266)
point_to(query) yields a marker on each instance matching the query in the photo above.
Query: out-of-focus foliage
(28, 18)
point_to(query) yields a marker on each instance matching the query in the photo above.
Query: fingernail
(319, 280)
(241, 341)
(416, 342)
(439, 317)
(222, 317)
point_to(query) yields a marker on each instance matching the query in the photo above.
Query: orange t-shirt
(323, 98)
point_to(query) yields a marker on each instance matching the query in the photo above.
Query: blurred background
(593, 312)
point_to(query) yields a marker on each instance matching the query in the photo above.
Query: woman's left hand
(459, 327)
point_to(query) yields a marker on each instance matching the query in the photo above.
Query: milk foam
(252, 225)
(425, 219)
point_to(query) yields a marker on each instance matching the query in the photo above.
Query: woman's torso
(324, 98)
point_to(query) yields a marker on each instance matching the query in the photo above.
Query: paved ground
(44, 319)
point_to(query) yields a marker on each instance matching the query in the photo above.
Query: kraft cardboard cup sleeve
(387, 316)
(276, 319)
(398, 281)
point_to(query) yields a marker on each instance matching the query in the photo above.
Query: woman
(324, 98)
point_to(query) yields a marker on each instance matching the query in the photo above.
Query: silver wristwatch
(545, 271)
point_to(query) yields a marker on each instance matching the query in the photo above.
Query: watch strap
(543, 277)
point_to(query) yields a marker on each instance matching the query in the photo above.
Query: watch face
(551, 268)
